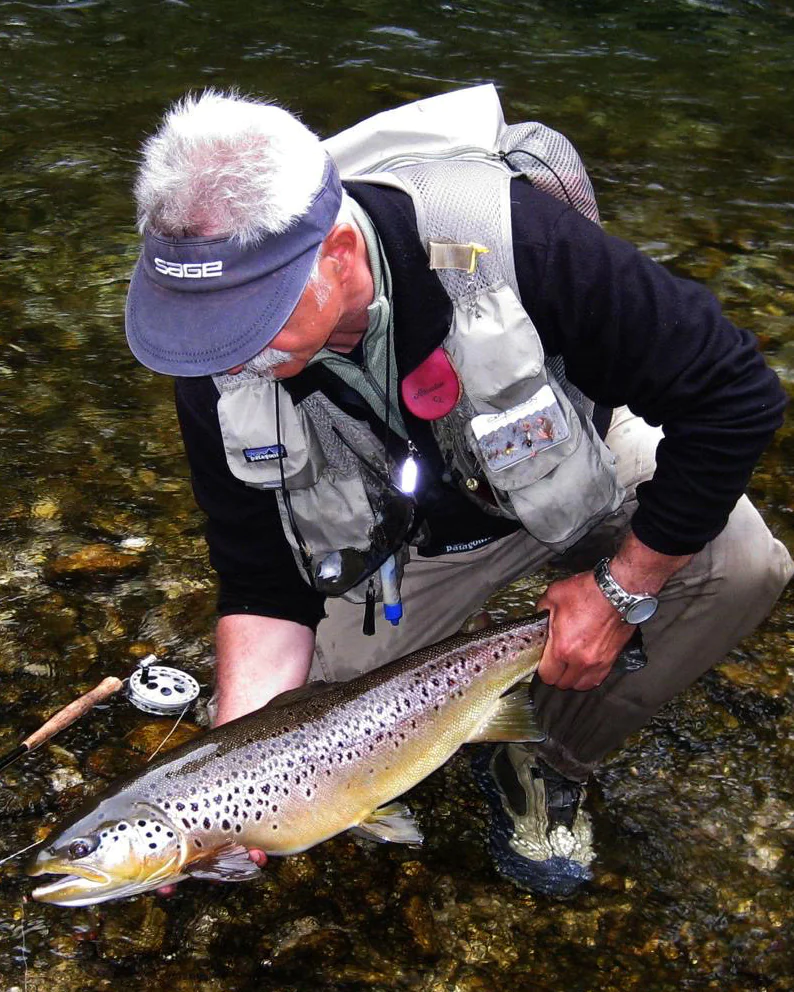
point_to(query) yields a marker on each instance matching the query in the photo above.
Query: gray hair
(225, 164)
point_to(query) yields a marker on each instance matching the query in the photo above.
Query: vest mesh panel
(551, 164)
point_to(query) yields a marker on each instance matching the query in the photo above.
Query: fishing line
(17, 853)
(169, 734)
(24, 946)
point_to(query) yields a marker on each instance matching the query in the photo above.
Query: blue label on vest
(268, 453)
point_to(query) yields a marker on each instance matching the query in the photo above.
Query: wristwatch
(633, 607)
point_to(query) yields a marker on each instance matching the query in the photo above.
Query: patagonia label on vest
(265, 453)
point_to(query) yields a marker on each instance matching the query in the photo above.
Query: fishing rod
(151, 687)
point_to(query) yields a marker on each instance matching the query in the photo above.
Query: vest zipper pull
(409, 474)
(368, 628)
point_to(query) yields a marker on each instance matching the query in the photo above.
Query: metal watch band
(633, 607)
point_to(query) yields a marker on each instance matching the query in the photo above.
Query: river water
(682, 110)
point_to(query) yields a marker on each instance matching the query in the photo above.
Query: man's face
(309, 328)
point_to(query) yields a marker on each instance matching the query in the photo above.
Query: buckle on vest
(452, 256)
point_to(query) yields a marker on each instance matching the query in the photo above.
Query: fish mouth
(76, 886)
(84, 886)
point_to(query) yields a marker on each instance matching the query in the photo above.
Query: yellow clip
(476, 251)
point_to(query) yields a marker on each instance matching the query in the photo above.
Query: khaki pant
(705, 609)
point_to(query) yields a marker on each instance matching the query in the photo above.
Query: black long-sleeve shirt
(630, 333)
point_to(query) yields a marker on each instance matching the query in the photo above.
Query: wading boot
(540, 838)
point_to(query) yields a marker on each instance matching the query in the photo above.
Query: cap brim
(201, 305)
(196, 334)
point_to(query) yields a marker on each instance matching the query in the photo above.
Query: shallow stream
(683, 112)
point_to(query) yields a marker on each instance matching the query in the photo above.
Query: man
(320, 341)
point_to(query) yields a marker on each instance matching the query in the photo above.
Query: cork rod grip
(73, 711)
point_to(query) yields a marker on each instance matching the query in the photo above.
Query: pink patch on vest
(433, 389)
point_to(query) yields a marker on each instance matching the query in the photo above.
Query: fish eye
(83, 847)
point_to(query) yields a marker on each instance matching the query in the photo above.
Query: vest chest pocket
(495, 348)
(258, 446)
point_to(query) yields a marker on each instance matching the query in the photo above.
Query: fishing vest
(520, 440)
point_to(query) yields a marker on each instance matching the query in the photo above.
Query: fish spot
(258, 814)
(207, 823)
(158, 828)
(226, 825)
(153, 846)
(251, 790)
(194, 807)
(197, 842)
(237, 828)
(180, 806)
(169, 833)
(275, 826)
(148, 833)
(186, 822)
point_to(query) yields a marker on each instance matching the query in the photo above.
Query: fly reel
(161, 690)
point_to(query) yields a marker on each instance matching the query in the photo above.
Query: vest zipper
(465, 151)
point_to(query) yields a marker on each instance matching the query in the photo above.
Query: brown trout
(310, 764)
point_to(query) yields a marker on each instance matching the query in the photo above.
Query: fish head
(101, 857)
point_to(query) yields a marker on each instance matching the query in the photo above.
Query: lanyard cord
(387, 431)
(306, 557)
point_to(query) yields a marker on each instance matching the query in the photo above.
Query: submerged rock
(94, 561)
(132, 929)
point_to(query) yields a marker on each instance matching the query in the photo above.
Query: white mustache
(265, 363)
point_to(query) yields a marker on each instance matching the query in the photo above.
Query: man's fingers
(591, 679)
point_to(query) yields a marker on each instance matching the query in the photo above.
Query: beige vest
(519, 425)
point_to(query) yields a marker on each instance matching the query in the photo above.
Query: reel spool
(161, 690)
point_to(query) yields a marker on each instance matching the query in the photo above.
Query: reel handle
(73, 711)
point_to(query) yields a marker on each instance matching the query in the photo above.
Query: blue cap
(200, 306)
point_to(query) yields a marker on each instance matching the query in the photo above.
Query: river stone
(418, 919)
(135, 928)
(111, 761)
(149, 736)
(94, 561)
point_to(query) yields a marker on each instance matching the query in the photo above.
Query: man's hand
(586, 633)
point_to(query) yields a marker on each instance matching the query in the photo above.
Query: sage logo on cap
(189, 270)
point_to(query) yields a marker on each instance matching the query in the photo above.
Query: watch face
(643, 610)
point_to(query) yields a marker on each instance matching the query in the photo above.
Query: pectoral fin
(513, 719)
(392, 823)
(226, 864)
